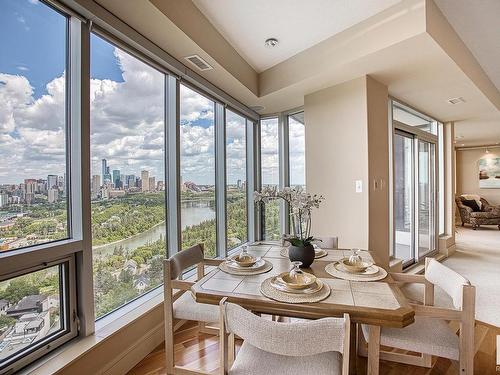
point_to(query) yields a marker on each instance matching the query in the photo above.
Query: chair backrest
(447, 279)
(185, 259)
(328, 242)
(292, 339)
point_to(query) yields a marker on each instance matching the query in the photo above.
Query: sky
(127, 112)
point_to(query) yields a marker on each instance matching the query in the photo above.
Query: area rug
(478, 259)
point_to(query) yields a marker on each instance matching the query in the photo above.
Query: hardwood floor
(200, 352)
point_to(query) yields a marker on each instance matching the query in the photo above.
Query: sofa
(487, 215)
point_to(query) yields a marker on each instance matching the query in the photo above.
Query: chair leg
(169, 353)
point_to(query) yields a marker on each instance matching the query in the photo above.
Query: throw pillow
(472, 204)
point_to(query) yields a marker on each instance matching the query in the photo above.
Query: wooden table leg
(373, 350)
(353, 350)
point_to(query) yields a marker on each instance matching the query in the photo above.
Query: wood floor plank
(201, 352)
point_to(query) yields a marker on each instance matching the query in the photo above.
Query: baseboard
(131, 356)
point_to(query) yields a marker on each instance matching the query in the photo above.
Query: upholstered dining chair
(179, 303)
(431, 334)
(313, 347)
(328, 242)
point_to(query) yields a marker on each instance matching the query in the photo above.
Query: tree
(155, 271)
(19, 288)
(6, 322)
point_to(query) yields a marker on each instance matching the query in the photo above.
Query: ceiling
(477, 23)
(297, 24)
(387, 39)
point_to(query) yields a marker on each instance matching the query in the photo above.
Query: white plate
(259, 264)
(316, 287)
(372, 270)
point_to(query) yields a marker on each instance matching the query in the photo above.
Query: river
(192, 213)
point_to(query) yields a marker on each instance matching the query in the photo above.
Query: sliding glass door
(415, 188)
(426, 198)
(404, 226)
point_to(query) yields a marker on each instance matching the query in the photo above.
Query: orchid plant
(301, 204)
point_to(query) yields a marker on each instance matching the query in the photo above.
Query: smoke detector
(271, 42)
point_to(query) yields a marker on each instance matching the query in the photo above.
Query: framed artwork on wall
(489, 173)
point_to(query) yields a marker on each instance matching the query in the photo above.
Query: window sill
(106, 329)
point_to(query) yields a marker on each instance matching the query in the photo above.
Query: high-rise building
(238, 184)
(152, 183)
(116, 178)
(130, 181)
(104, 169)
(61, 184)
(51, 181)
(30, 185)
(53, 195)
(160, 186)
(96, 184)
(4, 199)
(144, 180)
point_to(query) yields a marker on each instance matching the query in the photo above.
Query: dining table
(375, 303)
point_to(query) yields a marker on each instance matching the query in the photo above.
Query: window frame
(248, 196)
(77, 248)
(67, 298)
(283, 167)
(70, 250)
(426, 136)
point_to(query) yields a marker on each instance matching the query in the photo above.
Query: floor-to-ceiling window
(197, 166)
(297, 149)
(236, 180)
(415, 215)
(270, 175)
(127, 110)
(36, 291)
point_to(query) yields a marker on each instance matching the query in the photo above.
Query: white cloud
(127, 128)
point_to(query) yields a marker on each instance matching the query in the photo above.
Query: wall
(347, 140)
(467, 174)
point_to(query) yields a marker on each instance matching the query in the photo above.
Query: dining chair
(431, 334)
(271, 348)
(179, 303)
(330, 242)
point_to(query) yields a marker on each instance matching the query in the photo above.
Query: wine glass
(355, 258)
(244, 253)
(296, 273)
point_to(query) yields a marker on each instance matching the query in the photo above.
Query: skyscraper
(116, 178)
(96, 184)
(4, 199)
(104, 169)
(152, 183)
(53, 195)
(51, 181)
(144, 180)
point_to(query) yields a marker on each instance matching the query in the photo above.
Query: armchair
(489, 215)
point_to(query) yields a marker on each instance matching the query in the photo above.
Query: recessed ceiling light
(456, 100)
(271, 42)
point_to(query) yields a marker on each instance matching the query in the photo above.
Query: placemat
(266, 268)
(270, 292)
(331, 270)
(284, 253)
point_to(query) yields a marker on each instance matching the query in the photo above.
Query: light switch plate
(359, 186)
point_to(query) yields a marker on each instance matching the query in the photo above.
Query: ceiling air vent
(198, 62)
(456, 100)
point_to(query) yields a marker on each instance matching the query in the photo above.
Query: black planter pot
(304, 254)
